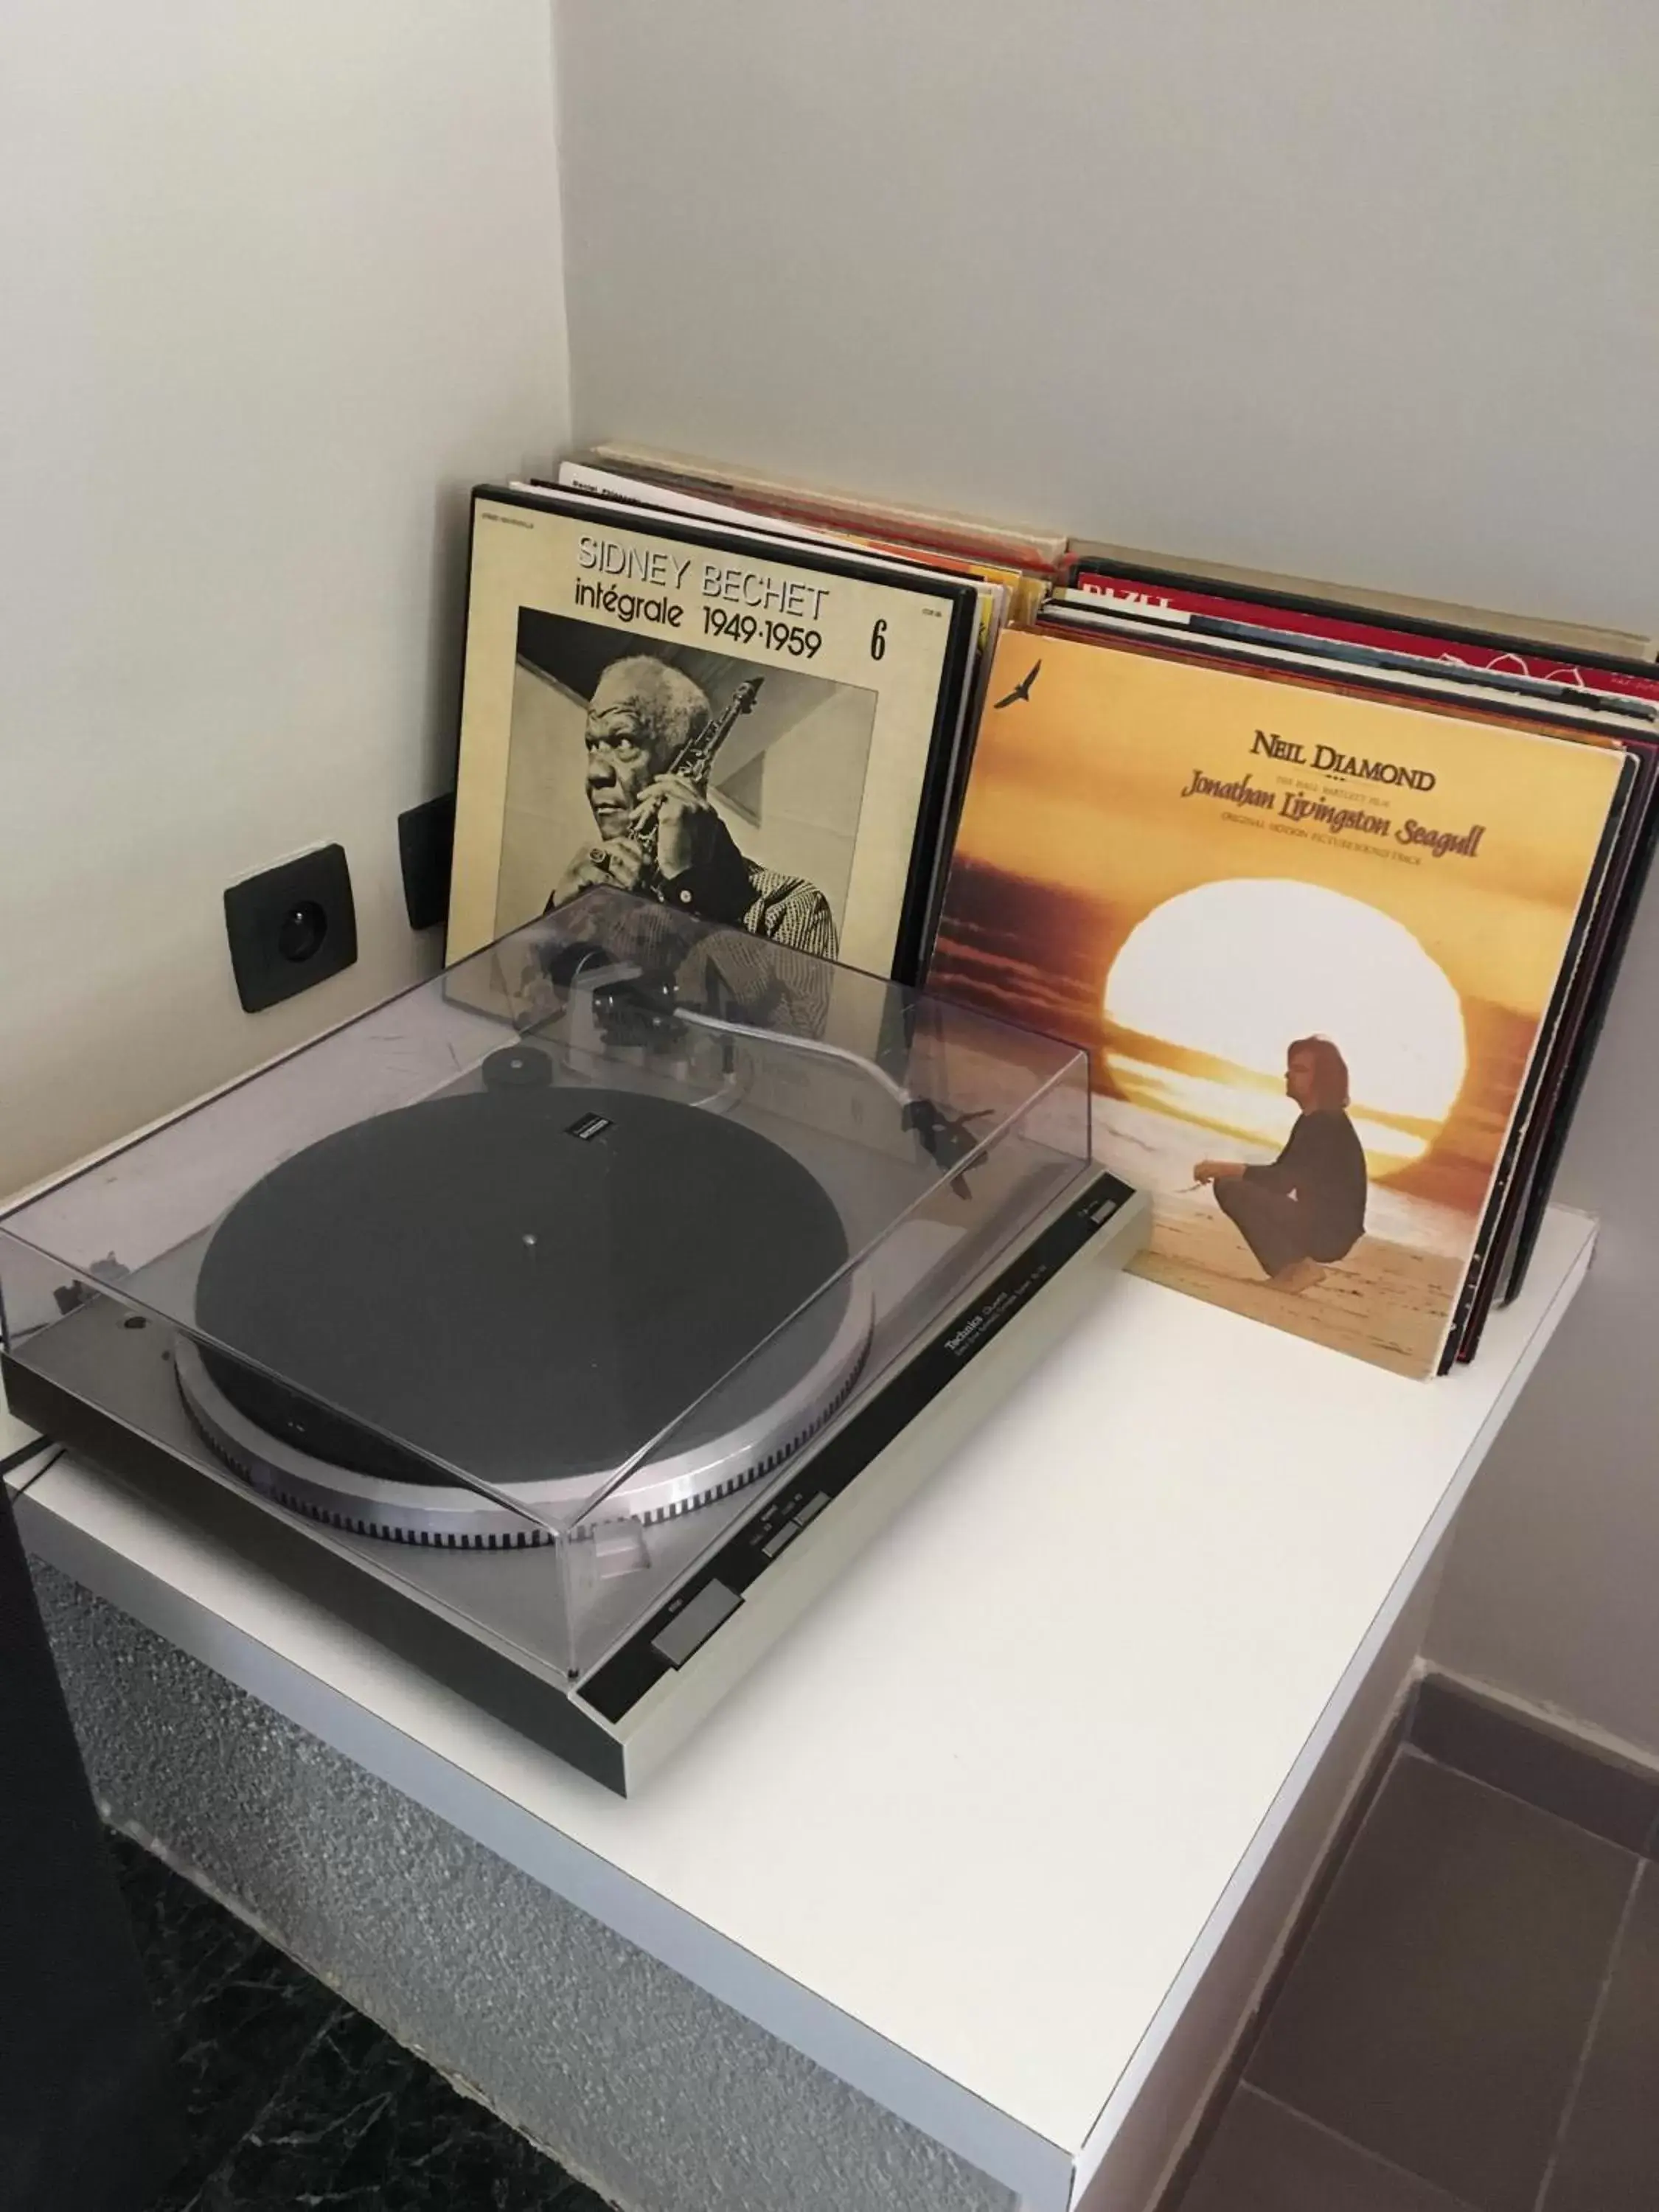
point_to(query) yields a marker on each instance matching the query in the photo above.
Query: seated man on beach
(1308, 1204)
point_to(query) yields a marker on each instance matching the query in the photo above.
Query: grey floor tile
(362, 2125)
(1548, 1768)
(1437, 2011)
(1265, 2158)
(1609, 2156)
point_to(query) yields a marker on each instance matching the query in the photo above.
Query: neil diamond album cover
(1310, 940)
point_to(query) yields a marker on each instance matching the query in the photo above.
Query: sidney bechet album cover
(758, 734)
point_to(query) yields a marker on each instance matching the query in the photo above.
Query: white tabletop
(964, 1834)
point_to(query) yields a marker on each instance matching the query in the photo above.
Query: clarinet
(694, 760)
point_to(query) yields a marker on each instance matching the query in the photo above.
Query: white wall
(1369, 293)
(1359, 290)
(279, 283)
(1552, 1589)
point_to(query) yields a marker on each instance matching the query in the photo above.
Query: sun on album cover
(1310, 940)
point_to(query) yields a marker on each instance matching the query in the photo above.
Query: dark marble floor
(1471, 2020)
(294, 2099)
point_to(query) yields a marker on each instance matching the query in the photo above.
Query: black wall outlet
(293, 926)
(426, 843)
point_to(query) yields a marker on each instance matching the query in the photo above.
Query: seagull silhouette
(1023, 689)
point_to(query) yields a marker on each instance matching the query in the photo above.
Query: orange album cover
(1310, 939)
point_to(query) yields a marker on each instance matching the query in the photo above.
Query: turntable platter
(526, 1285)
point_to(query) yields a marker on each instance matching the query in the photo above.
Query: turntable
(569, 1320)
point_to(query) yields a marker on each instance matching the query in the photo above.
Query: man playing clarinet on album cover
(658, 833)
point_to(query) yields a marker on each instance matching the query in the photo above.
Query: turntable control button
(696, 1623)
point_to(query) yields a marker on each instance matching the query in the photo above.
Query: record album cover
(1181, 600)
(933, 529)
(1022, 589)
(1310, 940)
(761, 734)
(1086, 556)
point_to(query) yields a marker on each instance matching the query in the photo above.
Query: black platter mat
(525, 1283)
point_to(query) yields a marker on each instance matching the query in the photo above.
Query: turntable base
(574, 1322)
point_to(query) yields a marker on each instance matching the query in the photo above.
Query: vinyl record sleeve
(933, 529)
(1344, 610)
(1564, 697)
(1529, 1197)
(1004, 594)
(1021, 591)
(1537, 1101)
(1189, 868)
(824, 804)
